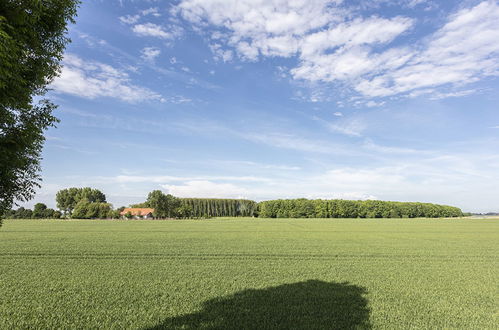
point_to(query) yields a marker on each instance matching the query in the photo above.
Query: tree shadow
(305, 305)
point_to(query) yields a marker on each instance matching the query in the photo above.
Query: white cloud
(152, 30)
(130, 19)
(224, 55)
(335, 45)
(203, 188)
(267, 166)
(443, 95)
(338, 114)
(154, 11)
(463, 51)
(292, 142)
(169, 178)
(178, 99)
(370, 145)
(344, 51)
(350, 127)
(90, 79)
(150, 53)
(267, 28)
(346, 126)
(414, 3)
(269, 137)
(371, 104)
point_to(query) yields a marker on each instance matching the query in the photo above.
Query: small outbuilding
(138, 213)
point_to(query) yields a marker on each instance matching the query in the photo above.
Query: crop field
(250, 273)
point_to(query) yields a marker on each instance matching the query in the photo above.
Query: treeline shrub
(40, 211)
(168, 206)
(88, 203)
(91, 210)
(337, 208)
(67, 199)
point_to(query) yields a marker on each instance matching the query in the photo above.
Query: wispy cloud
(350, 127)
(152, 30)
(132, 59)
(204, 188)
(169, 178)
(370, 145)
(150, 53)
(335, 44)
(293, 142)
(345, 126)
(154, 11)
(130, 19)
(92, 79)
(463, 51)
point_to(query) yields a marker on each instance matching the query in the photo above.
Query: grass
(250, 273)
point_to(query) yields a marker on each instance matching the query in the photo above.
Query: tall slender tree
(32, 42)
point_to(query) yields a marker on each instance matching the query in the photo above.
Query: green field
(250, 273)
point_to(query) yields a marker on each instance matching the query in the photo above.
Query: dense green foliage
(40, 211)
(249, 273)
(336, 208)
(213, 207)
(85, 209)
(68, 199)
(292, 208)
(165, 206)
(32, 41)
(168, 206)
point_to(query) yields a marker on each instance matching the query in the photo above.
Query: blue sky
(393, 100)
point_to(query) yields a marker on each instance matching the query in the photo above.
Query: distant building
(138, 212)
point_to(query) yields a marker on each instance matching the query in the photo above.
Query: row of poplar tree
(88, 203)
(168, 206)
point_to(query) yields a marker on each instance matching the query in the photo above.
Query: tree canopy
(40, 211)
(337, 208)
(165, 206)
(32, 42)
(85, 209)
(67, 199)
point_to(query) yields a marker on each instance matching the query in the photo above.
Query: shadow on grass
(305, 305)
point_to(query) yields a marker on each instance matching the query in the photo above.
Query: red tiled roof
(137, 211)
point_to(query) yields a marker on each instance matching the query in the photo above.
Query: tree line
(215, 207)
(168, 206)
(337, 208)
(40, 211)
(88, 203)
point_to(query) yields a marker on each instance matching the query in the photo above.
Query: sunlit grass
(250, 273)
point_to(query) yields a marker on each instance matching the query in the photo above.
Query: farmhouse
(138, 213)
